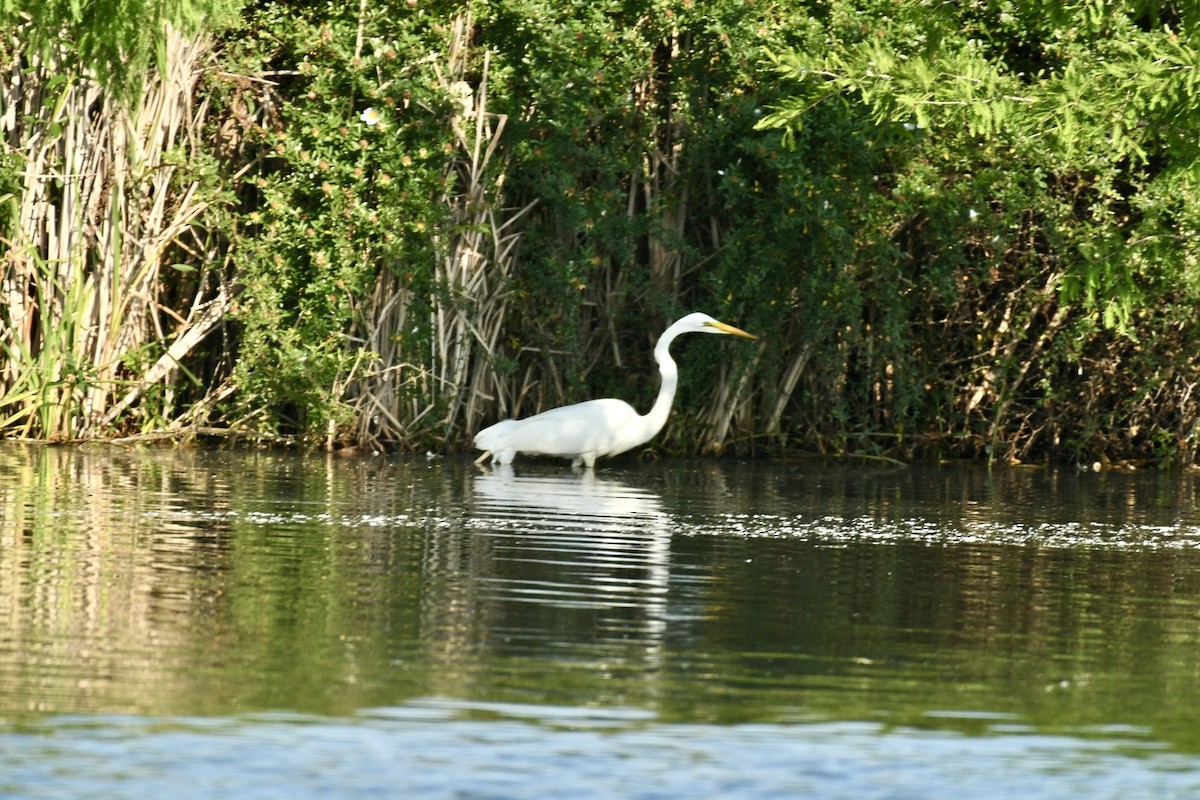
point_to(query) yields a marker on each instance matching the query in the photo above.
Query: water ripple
(454, 749)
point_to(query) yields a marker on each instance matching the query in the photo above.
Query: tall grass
(102, 202)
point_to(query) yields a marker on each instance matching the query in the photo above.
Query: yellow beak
(723, 328)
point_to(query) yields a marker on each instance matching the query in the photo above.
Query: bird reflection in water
(582, 542)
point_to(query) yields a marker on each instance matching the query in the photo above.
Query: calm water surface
(244, 624)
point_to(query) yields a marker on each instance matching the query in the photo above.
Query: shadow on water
(192, 585)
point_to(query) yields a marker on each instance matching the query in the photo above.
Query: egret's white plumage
(594, 429)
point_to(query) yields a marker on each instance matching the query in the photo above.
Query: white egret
(592, 429)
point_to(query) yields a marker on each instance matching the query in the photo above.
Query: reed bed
(104, 202)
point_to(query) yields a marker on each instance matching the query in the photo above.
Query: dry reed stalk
(98, 210)
(385, 404)
(725, 406)
(788, 386)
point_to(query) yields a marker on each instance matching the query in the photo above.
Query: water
(255, 624)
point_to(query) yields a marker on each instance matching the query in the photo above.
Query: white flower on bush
(461, 94)
(370, 117)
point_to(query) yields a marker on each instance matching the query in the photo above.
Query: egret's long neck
(657, 418)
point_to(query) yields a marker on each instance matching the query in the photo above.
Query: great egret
(586, 431)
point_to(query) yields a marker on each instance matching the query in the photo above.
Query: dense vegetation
(962, 229)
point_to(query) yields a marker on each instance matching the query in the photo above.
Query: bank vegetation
(961, 230)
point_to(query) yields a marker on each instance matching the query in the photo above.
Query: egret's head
(703, 323)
